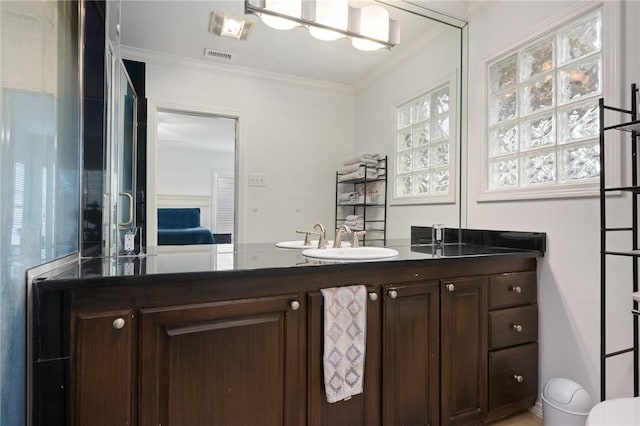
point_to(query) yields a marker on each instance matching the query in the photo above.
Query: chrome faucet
(337, 241)
(322, 241)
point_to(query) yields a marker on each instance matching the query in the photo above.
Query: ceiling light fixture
(369, 27)
(230, 26)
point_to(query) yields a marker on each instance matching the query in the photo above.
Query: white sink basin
(350, 253)
(300, 244)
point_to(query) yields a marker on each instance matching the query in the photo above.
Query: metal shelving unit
(377, 233)
(633, 127)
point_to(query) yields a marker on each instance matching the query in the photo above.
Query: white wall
(425, 70)
(189, 171)
(293, 133)
(569, 273)
(186, 178)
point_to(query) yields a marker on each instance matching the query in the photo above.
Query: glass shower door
(121, 235)
(129, 233)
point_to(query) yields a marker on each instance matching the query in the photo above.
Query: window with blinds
(224, 207)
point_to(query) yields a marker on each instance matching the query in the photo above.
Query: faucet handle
(355, 242)
(307, 236)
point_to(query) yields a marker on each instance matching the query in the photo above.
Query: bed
(181, 226)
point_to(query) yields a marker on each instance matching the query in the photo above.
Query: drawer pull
(518, 378)
(118, 323)
(393, 294)
(373, 296)
(295, 305)
(515, 289)
(517, 328)
(450, 287)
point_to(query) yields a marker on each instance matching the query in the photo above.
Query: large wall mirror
(298, 106)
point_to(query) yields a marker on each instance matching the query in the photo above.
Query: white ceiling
(180, 28)
(195, 132)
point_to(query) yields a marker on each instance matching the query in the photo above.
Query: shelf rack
(378, 231)
(632, 126)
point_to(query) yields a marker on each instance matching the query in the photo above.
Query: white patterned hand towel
(345, 329)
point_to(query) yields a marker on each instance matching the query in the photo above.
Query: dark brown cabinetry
(221, 363)
(103, 368)
(513, 351)
(363, 409)
(464, 350)
(410, 359)
(441, 349)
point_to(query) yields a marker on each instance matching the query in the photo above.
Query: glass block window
(423, 146)
(543, 109)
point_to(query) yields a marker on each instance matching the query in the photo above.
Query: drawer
(513, 375)
(511, 289)
(514, 326)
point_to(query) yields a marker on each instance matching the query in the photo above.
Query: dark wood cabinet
(464, 304)
(513, 375)
(103, 368)
(411, 362)
(444, 346)
(513, 351)
(362, 409)
(222, 363)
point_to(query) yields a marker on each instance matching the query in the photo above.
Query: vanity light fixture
(230, 26)
(368, 27)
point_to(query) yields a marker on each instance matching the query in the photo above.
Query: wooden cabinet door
(103, 369)
(513, 375)
(410, 362)
(222, 363)
(362, 409)
(464, 350)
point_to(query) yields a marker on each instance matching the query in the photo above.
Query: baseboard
(536, 410)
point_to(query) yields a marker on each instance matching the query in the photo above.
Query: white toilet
(615, 412)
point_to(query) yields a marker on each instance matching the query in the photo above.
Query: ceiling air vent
(217, 54)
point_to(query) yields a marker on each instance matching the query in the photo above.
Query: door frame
(156, 106)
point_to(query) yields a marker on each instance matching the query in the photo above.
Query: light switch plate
(257, 179)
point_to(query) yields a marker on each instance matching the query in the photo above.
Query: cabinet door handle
(450, 287)
(118, 323)
(517, 328)
(295, 305)
(393, 294)
(515, 289)
(518, 378)
(373, 296)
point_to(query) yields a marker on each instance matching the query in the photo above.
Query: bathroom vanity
(451, 338)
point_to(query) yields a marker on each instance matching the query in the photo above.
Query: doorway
(193, 159)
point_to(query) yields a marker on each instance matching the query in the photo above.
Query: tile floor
(525, 419)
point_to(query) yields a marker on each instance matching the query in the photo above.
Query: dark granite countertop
(250, 258)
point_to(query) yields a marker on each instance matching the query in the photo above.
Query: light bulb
(291, 8)
(332, 13)
(375, 24)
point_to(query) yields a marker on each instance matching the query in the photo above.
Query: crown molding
(476, 8)
(191, 64)
(411, 51)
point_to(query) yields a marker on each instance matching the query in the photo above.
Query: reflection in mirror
(302, 105)
(195, 189)
(127, 148)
